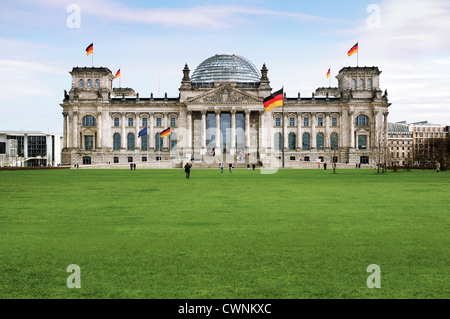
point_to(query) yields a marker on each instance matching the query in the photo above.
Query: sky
(151, 41)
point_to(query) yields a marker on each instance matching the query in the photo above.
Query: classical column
(218, 136)
(75, 130)
(352, 129)
(285, 137)
(124, 138)
(99, 143)
(313, 131)
(247, 131)
(151, 135)
(203, 133)
(189, 131)
(233, 133)
(261, 133)
(326, 139)
(25, 145)
(65, 130)
(299, 130)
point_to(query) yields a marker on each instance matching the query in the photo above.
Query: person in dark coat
(187, 169)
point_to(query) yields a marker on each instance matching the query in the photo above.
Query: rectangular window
(116, 159)
(144, 158)
(277, 121)
(86, 160)
(172, 122)
(306, 159)
(2, 148)
(362, 142)
(130, 159)
(130, 121)
(291, 121)
(292, 158)
(158, 122)
(88, 142)
(320, 121)
(116, 121)
(334, 121)
(306, 121)
(144, 122)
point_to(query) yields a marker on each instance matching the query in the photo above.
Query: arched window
(306, 141)
(173, 141)
(88, 120)
(353, 82)
(81, 82)
(116, 141)
(277, 143)
(89, 84)
(158, 142)
(361, 82)
(362, 120)
(369, 82)
(291, 141)
(97, 83)
(144, 142)
(319, 141)
(130, 142)
(334, 141)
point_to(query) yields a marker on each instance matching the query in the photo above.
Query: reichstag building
(219, 117)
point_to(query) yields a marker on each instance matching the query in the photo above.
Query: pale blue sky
(150, 41)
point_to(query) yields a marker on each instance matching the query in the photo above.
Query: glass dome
(226, 68)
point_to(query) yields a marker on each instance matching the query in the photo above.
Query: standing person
(438, 167)
(325, 166)
(187, 169)
(230, 166)
(134, 166)
(253, 166)
(221, 167)
(131, 166)
(248, 166)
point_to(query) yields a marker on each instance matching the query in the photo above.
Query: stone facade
(102, 123)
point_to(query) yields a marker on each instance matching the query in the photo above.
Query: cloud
(208, 16)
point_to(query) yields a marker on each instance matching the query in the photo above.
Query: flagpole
(120, 76)
(92, 57)
(357, 55)
(282, 138)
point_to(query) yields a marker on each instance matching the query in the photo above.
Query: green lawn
(154, 234)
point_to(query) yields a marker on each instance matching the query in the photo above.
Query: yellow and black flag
(165, 132)
(90, 49)
(274, 100)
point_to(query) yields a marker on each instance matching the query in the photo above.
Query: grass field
(154, 234)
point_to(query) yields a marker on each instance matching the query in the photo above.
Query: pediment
(224, 94)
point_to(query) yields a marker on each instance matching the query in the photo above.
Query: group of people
(188, 166)
(132, 166)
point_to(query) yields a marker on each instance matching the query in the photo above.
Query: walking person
(438, 167)
(230, 167)
(221, 167)
(253, 166)
(187, 169)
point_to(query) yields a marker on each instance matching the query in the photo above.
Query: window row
(144, 122)
(306, 121)
(90, 121)
(306, 141)
(361, 82)
(89, 83)
(131, 138)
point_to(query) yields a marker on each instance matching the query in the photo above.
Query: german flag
(117, 74)
(354, 49)
(274, 100)
(328, 73)
(90, 49)
(165, 132)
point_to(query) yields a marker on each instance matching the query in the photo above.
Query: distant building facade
(424, 134)
(219, 117)
(29, 149)
(401, 144)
